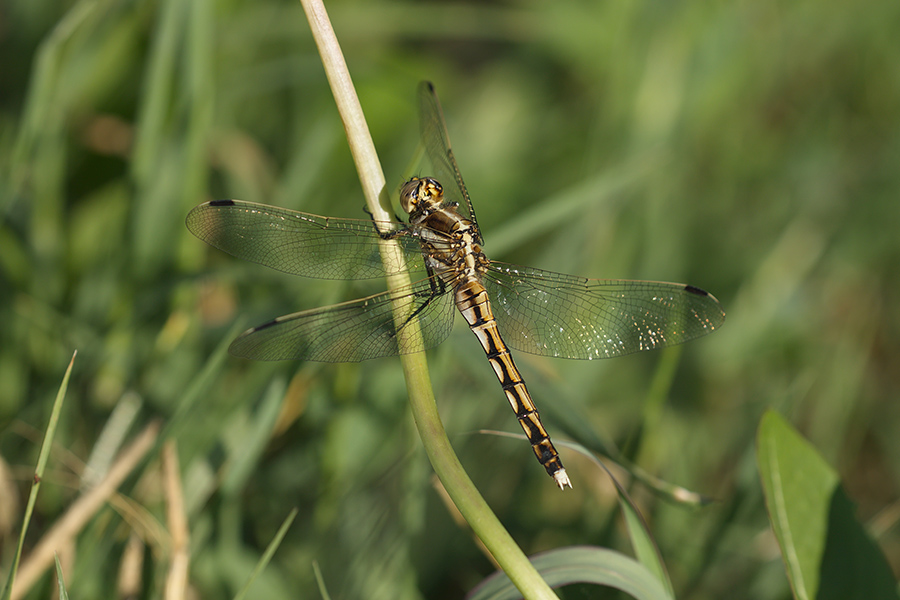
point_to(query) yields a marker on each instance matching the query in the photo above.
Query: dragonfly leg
(385, 236)
(438, 288)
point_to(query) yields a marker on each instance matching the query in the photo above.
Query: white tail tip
(562, 479)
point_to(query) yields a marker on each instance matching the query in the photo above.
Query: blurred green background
(748, 148)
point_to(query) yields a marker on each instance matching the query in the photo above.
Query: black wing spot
(222, 203)
(265, 325)
(695, 290)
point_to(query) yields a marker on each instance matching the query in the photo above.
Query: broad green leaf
(580, 564)
(827, 553)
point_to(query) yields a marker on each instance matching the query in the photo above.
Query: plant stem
(421, 395)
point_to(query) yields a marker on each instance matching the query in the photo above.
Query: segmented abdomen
(472, 301)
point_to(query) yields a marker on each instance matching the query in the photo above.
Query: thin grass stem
(43, 457)
(421, 395)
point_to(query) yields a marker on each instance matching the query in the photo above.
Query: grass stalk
(437, 446)
(43, 457)
(266, 558)
(176, 518)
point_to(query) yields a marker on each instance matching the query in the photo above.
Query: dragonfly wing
(354, 331)
(437, 147)
(552, 314)
(301, 243)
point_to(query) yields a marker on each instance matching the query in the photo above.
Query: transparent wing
(353, 331)
(437, 147)
(552, 314)
(301, 243)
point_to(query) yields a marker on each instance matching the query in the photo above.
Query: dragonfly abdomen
(472, 301)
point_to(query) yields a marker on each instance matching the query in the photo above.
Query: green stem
(421, 395)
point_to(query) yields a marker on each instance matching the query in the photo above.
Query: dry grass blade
(179, 557)
(83, 509)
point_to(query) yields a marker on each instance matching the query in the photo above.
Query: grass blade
(60, 580)
(267, 555)
(43, 457)
(580, 564)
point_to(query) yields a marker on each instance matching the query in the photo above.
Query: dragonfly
(538, 312)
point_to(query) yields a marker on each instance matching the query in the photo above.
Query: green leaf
(826, 552)
(580, 564)
(63, 594)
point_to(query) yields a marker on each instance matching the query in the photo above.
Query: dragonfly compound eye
(418, 194)
(409, 195)
(430, 193)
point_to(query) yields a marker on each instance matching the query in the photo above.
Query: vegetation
(748, 149)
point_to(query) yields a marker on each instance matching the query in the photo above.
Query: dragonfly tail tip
(562, 479)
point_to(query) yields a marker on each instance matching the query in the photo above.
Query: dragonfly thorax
(421, 195)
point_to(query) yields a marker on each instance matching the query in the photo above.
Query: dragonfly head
(421, 195)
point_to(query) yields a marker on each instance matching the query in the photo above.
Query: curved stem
(421, 395)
